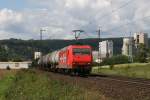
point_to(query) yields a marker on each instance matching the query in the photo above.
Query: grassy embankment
(33, 85)
(135, 70)
(6, 79)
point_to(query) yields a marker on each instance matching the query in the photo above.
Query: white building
(141, 38)
(106, 49)
(95, 56)
(128, 44)
(37, 55)
(15, 65)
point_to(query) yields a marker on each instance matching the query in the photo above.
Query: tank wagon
(71, 59)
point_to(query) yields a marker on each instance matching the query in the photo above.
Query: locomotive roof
(75, 46)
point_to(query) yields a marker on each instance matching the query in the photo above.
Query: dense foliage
(119, 59)
(25, 49)
(15, 49)
(7, 54)
(3, 54)
(142, 54)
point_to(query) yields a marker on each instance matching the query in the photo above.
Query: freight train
(73, 59)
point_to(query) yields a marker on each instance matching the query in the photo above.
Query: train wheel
(72, 72)
(66, 71)
(56, 70)
(88, 71)
(69, 71)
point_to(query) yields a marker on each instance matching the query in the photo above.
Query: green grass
(131, 70)
(5, 82)
(33, 85)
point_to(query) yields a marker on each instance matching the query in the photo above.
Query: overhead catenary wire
(128, 23)
(117, 27)
(131, 22)
(115, 10)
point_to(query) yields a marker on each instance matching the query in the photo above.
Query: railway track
(122, 79)
(139, 83)
(116, 87)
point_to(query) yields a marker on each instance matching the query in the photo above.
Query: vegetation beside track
(6, 79)
(37, 85)
(135, 70)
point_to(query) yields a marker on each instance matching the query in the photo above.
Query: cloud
(9, 17)
(60, 17)
(10, 23)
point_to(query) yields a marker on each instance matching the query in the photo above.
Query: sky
(23, 19)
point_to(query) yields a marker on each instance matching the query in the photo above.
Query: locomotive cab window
(82, 51)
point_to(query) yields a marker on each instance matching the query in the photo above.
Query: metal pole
(76, 34)
(99, 51)
(130, 49)
(41, 37)
(41, 34)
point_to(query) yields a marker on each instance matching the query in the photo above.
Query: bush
(142, 54)
(17, 59)
(111, 67)
(8, 68)
(4, 59)
(119, 59)
(34, 63)
(96, 64)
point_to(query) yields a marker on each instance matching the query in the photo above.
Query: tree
(119, 59)
(17, 59)
(3, 54)
(142, 53)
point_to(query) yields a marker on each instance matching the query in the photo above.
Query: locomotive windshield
(82, 51)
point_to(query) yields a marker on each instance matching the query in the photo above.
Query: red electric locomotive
(71, 59)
